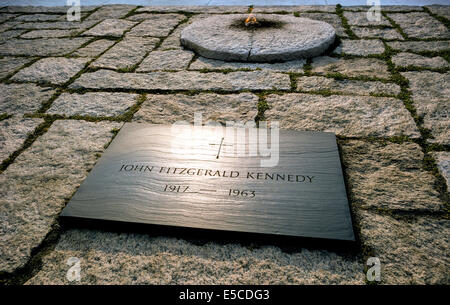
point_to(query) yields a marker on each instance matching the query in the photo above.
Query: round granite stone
(276, 38)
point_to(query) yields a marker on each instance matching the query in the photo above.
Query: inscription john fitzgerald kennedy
(142, 168)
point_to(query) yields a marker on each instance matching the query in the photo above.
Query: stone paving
(67, 88)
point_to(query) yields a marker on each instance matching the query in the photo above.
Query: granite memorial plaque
(219, 178)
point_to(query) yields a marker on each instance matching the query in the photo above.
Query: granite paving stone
(420, 25)
(110, 27)
(389, 176)
(94, 104)
(126, 53)
(41, 47)
(40, 17)
(60, 25)
(420, 46)
(94, 49)
(183, 80)
(350, 116)
(159, 25)
(50, 33)
(369, 32)
(410, 252)
(111, 11)
(43, 9)
(13, 133)
(55, 70)
(202, 63)
(360, 47)
(360, 19)
(112, 258)
(163, 109)
(405, 59)
(430, 92)
(443, 163)
(10, 64)
(35, 187)
(6, 35)
(18, 99)
(440, 10)
(368, 67)
(350, 87)
(166, 60)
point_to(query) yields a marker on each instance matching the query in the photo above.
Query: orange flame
(251, 19)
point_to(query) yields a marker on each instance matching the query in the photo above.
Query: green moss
(4, 116)
(395, 25)
(344, 21)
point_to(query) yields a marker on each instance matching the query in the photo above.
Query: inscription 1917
(142, 178)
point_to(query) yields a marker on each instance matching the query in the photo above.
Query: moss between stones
(348, 30)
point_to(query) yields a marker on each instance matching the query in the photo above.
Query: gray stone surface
(40, 17)
(41, 47)
(214, 38)
(5, 17)
(210, 9)
(410, 251)
(59, 25)
(360, 47)
(166, 109)
(111, 258)
(420, 25)
(111, 11)
(10, 64)
(212, 64)
(94, 104)
(7, 35)
(405, 59)
(18, 99)
(126, 53)
(173, 41)
(35, 187)
(420, 46)
(368, 32)
(440, 10)
(94, 49)
(159, 25)
(50, 33)
(110, 27)
(389, 176)
(332, 19)
(443, 163)
(13, 133)
(360, 19)
(166, 60)
(42, 9)
(350, 87)
(401, 8)
(183, 80)
(350, 116)
(430, 95)
(369, 67)
(55, 70)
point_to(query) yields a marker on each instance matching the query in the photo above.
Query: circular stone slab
(225, 37)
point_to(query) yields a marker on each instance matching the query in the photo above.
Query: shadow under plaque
(216, 179)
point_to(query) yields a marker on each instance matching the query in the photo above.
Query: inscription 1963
(200, 183)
